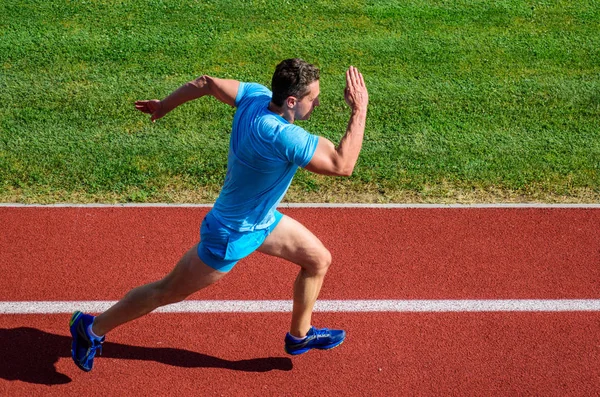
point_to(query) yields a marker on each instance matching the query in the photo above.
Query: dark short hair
(292, 78)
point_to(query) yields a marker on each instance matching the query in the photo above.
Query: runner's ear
(291, 102)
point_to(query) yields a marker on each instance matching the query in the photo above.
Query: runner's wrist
(359, 110)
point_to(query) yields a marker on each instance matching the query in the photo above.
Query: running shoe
(316, 338)
(84, 346)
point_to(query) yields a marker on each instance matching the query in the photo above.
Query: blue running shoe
(316, 338)
(84, 346)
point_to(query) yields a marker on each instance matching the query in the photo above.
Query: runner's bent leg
(292, 241)
(189, 275)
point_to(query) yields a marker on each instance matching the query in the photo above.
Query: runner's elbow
(342, 167)
(347, 171)
(203, 85)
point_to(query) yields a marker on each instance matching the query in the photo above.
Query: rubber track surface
(100, 253)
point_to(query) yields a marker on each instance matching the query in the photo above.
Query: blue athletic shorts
(221, 248)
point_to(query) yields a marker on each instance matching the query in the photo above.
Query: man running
(265, 150)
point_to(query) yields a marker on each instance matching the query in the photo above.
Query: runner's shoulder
(252, 91)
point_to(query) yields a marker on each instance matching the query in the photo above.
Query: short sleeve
(296, 145)
(251, 90)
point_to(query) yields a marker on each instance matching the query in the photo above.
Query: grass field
(469, 100)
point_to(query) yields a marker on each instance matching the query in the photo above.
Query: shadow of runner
(29, 355)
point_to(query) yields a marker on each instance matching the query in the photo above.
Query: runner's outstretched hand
(152, 107)
(356, 94)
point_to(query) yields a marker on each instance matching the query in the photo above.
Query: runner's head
(295, 86)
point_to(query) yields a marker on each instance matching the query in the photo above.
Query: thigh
(292, 241)
(190, 274)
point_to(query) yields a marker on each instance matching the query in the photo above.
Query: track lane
(84, 253)
(384, 355)
(101, 253)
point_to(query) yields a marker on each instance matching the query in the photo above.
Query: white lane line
(434, 206)
(312, 205)
(343, 306)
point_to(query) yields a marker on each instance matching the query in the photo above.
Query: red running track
(85, 253)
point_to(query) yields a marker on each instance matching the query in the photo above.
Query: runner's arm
(340, 160)
(222, 89)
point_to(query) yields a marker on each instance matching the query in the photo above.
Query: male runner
(265, 150)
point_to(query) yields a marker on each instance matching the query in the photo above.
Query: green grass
(490, 100)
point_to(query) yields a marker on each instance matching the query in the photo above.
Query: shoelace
(96, 345)
(322, 333)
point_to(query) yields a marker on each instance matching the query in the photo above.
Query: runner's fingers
(348, 78)
(355, 75)
(141, 107)
(361, 80)
(354, 80)
(358, 80)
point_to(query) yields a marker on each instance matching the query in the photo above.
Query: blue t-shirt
(264, 153)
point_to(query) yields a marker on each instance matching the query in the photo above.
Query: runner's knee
(320, 263)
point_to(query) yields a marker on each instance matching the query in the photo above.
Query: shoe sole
(302, 351)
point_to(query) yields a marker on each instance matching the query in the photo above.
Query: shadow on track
(29, 355)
